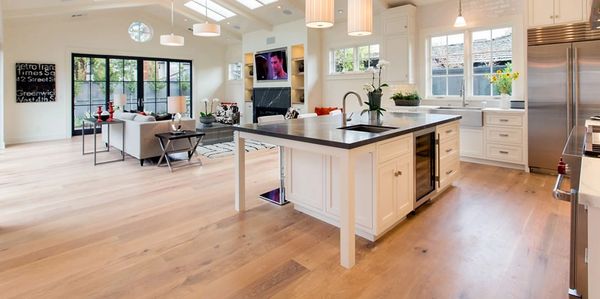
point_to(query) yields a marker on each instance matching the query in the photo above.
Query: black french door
(96, 79)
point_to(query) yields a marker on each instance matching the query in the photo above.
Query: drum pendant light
(172, 39)
(320, 13)
(460, 20)
(360, 17)
(207, 29)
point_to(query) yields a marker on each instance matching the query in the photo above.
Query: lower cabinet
(394, 190)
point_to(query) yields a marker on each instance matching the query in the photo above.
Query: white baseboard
(29, 139)
(495, 163)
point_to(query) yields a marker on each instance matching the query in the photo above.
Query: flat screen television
(271, 65)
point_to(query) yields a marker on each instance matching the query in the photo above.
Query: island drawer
(449, 169)
(505, 153)
(390, 149)
(448, 131)
(504, 135)
(503, 119)
(449, 148)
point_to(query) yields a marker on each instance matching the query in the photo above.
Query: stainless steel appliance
(424, 165)
(578, 271)
(563, 88)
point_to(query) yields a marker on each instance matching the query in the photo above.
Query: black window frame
(140, 80)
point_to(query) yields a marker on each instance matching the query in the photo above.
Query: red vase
(99, 113)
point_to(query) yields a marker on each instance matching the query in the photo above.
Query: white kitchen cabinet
(386, 190)
(471, 142)
(504, 136)
(554, 12)
(448, 150)
(398, 46)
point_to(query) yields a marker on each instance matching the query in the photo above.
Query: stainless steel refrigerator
(563, 88)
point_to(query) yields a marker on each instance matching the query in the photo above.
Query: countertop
(324, 130)
(589, 182)
(428, 107)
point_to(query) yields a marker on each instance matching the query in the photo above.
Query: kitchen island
(357, 175)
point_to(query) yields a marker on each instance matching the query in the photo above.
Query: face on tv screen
(271, 65)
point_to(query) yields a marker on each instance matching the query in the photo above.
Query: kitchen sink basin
(471, 116)
(367, 128)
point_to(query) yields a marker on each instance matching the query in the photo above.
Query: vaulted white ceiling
(245, 20)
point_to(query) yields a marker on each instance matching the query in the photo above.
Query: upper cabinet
(399, 31)
(556, 12)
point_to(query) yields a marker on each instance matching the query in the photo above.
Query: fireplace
(271, 101)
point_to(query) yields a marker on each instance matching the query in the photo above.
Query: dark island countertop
(325, 130)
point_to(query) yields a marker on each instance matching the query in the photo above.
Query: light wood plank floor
(72, 230)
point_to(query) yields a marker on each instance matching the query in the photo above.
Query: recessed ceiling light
(228, 23)
(340, 11)
(279, 6)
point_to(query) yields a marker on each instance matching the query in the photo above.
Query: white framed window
(355, 59)
(491, 52)
(484, 51)
(447, 64)
(235, 71)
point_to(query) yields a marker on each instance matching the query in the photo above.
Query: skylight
(215, 11)
(252, 4)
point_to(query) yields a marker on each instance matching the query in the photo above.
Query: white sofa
(140, 141)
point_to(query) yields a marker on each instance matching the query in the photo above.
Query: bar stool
(276, 196)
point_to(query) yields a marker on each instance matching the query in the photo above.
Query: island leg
(347, 211)
(240, 172)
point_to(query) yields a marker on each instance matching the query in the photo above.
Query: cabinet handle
(448, 150)
(448, 131)
(552, 17)
(503, 152)
(556, 16)
(449, 172)
(398, 173)
(504, 120)
(503, 135)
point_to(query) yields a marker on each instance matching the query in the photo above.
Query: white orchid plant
(371, 88)
(209, 106)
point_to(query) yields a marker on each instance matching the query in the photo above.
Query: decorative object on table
(301, 66)
(301, 98)
(410, 98)
(292, 113)
(98, 113)
(375, 92)
(111, 111)
(502, 82)
(120, 101)
(227, 113)
(207, 117)
(36, 83)
(176, 106)
(104, 116)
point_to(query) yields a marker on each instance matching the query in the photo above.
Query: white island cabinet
(360, 181)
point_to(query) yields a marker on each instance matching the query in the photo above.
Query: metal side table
(170, 138)
(95, 124)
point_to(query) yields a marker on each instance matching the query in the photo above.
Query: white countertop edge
(589, 182)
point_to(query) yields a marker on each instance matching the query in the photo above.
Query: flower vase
(374, 117)
(505, 101)
(375, 98)
(207, 121)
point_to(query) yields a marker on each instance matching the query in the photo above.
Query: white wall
(53, 39)
(234, 89)
(438, 18)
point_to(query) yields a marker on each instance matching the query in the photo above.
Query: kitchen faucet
(344, 102)
(463, 94)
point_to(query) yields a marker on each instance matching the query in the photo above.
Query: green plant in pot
(410, 98)
(375, 91)
(207, 117)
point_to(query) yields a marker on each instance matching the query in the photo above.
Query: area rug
(227, 148)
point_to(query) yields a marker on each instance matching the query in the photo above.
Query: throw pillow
(324, 110)
(144, 118)
(124, 115)
(160, 117)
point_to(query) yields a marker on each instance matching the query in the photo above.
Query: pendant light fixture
(172, 39)
(360, 17)
(320, 13)
(460, 20)
(207, 29)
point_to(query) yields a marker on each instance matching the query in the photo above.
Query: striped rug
(227, 148)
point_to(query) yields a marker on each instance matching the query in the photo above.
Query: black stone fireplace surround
(270, 101)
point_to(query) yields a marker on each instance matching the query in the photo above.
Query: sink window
(482, 51)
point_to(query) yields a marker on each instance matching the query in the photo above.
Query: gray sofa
(140, 141)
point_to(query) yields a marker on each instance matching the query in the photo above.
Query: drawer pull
(504, 152)
(504, 135)
(449, 172)
(398, 173)
(448, 150)
(448, 131)
(503, 120)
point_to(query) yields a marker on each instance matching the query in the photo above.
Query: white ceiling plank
(225, 32)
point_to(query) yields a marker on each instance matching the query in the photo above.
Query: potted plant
(410, 98)
(207, 117)
(502, 82)
(375, 92)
